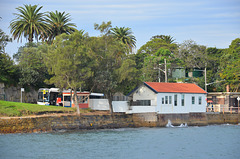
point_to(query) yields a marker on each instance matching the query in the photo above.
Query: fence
(223, 109)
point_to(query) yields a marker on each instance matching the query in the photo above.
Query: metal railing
(223, 109)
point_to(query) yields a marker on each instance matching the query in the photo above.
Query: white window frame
(193, 100)
(200, 100)
(166, 99)
(170, 99)
(182, 100)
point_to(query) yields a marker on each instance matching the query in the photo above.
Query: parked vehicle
(49, 96)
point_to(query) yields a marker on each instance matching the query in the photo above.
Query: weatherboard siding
(188, 106)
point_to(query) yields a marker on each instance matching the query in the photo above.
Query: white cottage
(167, 98)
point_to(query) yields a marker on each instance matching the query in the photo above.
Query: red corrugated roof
(175, 87)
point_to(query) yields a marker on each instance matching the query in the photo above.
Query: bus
(49, 96)
(53, 96)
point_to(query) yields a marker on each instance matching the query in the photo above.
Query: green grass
(25, 109)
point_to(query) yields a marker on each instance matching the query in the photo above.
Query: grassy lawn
(24, 109)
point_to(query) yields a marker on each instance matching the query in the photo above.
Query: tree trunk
(76, 101)
(110, 99)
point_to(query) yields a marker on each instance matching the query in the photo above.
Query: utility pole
(205, 72)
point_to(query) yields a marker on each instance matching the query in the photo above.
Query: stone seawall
(73, 122)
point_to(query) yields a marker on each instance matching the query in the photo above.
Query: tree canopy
(58, 22)
(114, 68)
(125, 35)
(230, 65)
(69, 60)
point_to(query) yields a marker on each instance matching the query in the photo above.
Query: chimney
(227, 88)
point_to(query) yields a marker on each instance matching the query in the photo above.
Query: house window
(162, 100)
(175, 100)
(170, 99)
(141, 103)
(199, 100)
(166, 99)
(182, 99)
(193, 100)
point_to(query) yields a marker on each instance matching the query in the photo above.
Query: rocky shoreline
(55, 122)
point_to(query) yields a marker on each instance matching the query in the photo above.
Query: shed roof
(174, 87)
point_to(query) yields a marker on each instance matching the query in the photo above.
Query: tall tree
(154, 44)
(192, 54)
(114, 68)
(33, 71)
(125, 35)
(59, 22)
(213, 68)
(29, 22)
(230, 65)
(8, 71)
(151, 54)
(152, 65)
(69, 60)
(4, 39)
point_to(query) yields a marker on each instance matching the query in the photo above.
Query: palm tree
(28, 23)
(125, 35)
(59, 23)
(167, 38)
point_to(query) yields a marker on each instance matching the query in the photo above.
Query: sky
(213, 23)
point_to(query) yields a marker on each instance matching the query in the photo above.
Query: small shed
(167, 98)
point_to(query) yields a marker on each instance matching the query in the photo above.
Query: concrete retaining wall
(120, 120)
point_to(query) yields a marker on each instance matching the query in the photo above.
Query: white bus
(48, 96)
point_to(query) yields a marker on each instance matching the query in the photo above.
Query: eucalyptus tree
(69, 61)
(29, 22)
(59, 22)
(230, 65)
(125, 35)
(192, 54)
(114, 68)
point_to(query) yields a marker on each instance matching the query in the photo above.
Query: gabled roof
(174, 87)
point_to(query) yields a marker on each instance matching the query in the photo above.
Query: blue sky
(213, 23)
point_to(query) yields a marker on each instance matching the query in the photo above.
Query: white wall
(142, 109)
(102, 104)
(99, 104)
(120, 106)
(188, 106)
(144, 93)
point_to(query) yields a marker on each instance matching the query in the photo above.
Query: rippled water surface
(209, 142)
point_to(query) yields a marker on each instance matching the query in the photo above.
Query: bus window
(46, 97)
(67, 98)
(40, 96)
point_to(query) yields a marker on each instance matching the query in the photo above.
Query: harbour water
(208, 142)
